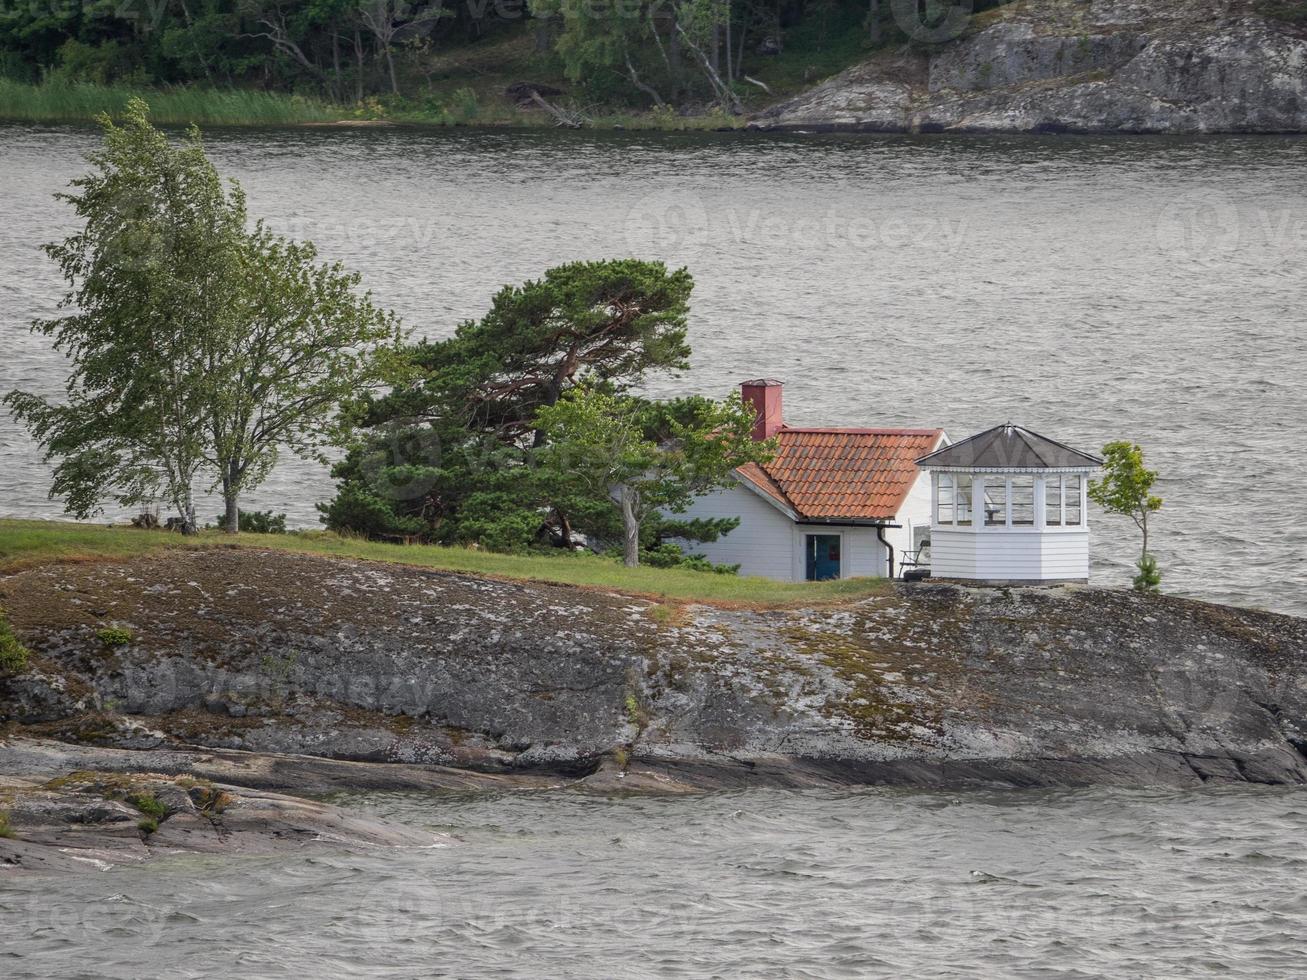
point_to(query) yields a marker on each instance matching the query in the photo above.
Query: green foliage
(450, 452)
(114, 636)
(649, 456)
(669, 555)
(6, 831)
(13, 655)
(149, 805)
(257, 522)
(1289, 11)
(1148, 577)
(158, 229)
(1126, 490)
(447, 63)
(173, 378)
(147, 825)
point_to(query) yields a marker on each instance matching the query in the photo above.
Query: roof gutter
(845, 522)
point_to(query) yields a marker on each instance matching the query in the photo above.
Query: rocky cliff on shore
(260, 667)
(1089, 66)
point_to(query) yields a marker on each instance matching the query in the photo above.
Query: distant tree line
(646, 52)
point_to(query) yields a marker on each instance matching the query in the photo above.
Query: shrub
(149, 805)
(5, 830)
(671, 556)
(464, 106)
(1149, 577)
(256, 522)
(13, 655)
(114, 636)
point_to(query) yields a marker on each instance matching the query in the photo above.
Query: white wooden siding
(914, 512)
(1009, 554)
(763, 544)
(770, 544)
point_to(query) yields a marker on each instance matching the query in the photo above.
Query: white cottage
(1008, 506)
(834, 503)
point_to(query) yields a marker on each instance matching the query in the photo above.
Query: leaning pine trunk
(630, 527)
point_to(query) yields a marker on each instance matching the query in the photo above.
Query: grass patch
(13, 655)
(114, 636)
(6, 831)
(81, 102)
(24, 544)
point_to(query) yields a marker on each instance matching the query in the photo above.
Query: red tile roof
(845, 474)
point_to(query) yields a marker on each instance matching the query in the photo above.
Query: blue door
(823, 557)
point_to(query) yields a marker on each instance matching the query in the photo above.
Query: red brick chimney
(764, 395)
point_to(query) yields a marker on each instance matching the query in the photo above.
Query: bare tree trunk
(730, 65)
(674, 55)
(646, 89)
(390, 64)
(190, 28)
(358, 55)
(337, 91)
(724, 92)
(630, 500)
(739, 50)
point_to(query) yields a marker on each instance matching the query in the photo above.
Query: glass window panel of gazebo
(1023, 501)
(1053, 501)
(944, 499)
(995, 502)
(964, 501)
(1071, 497)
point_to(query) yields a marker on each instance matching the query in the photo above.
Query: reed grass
(55, 101)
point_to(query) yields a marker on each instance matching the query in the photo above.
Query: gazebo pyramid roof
(1007, 447)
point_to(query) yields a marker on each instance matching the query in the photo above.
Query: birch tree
(199, 348)
(161, 236)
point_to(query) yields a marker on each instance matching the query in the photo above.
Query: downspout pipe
(889, 548)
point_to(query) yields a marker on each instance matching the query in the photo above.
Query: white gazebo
(1008, 507)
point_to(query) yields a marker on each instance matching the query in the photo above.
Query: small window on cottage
(1053, 501)
(944, 499)
(964, 501)
(1023, 501)
(1071, 498)
(995, 502)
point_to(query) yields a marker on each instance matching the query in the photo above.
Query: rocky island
(195, 677)
(1101, 66)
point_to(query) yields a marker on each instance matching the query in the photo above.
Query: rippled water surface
(757, 884)
(1088, 288)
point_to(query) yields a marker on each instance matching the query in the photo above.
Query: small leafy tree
(160, 240)
(1126, 489)
(301, 342)
(648, 457)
